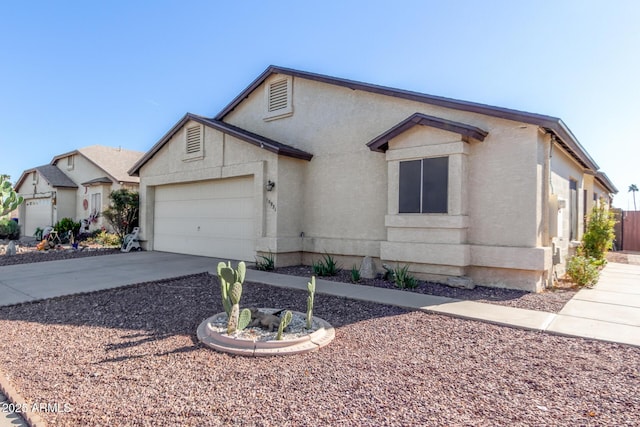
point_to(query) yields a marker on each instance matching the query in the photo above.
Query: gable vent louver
(278, 95)
(194, 138)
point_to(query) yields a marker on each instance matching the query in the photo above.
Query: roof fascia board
(549, 122)
(242, 134)
(381, 142)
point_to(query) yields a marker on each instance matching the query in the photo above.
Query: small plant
(598, 238)
(284, 322)
(402, 278)
(311, 288)
(106, 239)
(583, 270)
(66, 225)
(231, 290)
(265, 263)
(355, 274)
(9, 229)
(327, 266)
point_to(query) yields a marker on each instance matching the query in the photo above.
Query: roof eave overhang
(553, 124)
(242, 134)
(381, 143)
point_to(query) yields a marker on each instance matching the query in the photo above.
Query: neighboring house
(300, 164)
(74, 185)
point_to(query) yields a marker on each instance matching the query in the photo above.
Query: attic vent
(278, 95)
(278, 98)
(193, 142)
(194, 138)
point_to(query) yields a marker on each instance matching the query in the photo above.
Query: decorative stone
(461, 282)
(11, 249)
(368, 268)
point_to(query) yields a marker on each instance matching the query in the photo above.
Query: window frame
(433, 171)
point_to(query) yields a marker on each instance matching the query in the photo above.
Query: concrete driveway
(31, 282)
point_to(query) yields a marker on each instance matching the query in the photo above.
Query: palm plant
(632, 189)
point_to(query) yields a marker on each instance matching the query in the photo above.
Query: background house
(300, 164)
(74, 185)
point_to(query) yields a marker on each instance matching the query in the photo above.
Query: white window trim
(285, 111)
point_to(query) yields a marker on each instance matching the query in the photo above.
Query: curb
(34, 420)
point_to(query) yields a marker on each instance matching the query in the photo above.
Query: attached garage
(38, 214)
(214, 218)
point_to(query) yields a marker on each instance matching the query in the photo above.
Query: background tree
(122, 212)
(9, 199)
(632, 189)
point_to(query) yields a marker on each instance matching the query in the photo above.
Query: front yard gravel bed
(550, 301)
(54, 255)
(129, 356)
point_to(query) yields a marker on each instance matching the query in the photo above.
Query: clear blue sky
(121, 73)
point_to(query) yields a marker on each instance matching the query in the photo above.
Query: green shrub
(9, 229)
(327, 266)
(103, 238)
(65, 225)
(583, 270)
(265, 263)
(599, 236)
(355, 274)
(402, 278)
(122, 212)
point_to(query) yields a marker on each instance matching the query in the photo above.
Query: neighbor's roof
(54, 177)
(114, 161)
(244, 135)
(553, 125)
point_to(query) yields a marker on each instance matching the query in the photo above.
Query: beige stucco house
(74, 185)
(300, 164)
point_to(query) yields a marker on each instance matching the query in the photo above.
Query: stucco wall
(351, 192)
(224, 157)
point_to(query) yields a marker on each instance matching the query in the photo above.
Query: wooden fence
(630, 231)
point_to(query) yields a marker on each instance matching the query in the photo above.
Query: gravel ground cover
(129, 356)
(550, 301)
(28, 254)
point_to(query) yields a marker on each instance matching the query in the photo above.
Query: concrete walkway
(609, 312)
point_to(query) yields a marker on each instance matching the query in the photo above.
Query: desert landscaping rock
(130, 356)
(461, 282)
(368, 268)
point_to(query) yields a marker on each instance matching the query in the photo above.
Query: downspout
(546, 195)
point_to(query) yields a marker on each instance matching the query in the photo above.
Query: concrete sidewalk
(610, 311)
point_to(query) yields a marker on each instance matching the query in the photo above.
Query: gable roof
(553, 125)
(114, 161)
(242, 134)
(54, 177)
(381, 142)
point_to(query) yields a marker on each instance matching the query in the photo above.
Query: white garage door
(37, 215)
(208, 218)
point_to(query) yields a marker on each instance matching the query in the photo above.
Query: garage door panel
(37, 215)
(211, 218)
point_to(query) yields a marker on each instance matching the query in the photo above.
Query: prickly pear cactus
(227, 277)
(244, 319)
(234, 295)
(311, 287)
(9, 199)
(284, 322)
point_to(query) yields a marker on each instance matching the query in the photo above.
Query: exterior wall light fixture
(270, 185)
